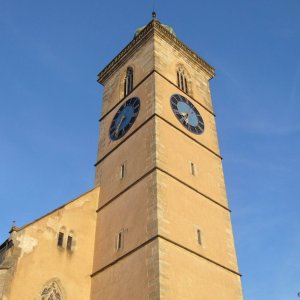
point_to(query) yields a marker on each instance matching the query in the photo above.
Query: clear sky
(50, 54)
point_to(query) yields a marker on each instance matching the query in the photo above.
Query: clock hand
(117, 129)
(186, 117)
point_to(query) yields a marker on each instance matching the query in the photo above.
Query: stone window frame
(52, 287)
(199, 236)
(193, 168)
(120, 239)
(183, 79)
(66, 239)
(60, 241)
(127, 82)
(71, 241)
(123, 170)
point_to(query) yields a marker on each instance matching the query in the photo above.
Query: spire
(154, 15)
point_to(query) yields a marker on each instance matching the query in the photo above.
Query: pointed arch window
(181, 79)
(128, 81)
(51, 291)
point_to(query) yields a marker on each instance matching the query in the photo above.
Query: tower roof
(142, 34)
(167, 27)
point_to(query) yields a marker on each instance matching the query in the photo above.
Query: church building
(156, 225)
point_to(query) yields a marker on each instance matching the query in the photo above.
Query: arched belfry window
(128, 81)
(182, 82)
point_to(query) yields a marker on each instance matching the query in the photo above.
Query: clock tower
(163, 222)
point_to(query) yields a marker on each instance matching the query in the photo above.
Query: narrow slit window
(122, 171)
(69, 242)
(60, 240)
(119, 241)
(199, 237)
(193, 169)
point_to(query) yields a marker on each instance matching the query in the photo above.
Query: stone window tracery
(51, 291)
(182, 81)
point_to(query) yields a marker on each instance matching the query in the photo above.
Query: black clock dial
(124, 118)
(187, 114)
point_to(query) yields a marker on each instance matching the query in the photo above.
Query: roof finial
(13, 227)
(153, 10)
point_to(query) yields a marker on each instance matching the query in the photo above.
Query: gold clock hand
(117, 129)
(186, 117)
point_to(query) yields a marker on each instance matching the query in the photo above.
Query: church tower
(163, 222)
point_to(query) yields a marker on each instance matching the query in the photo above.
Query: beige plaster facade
(160, 229)
(33, 265)
(163, 230)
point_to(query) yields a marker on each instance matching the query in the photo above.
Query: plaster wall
(142, 63)
(138, 156)
(186, 276)
(163, 92)
(168, 57)
(40, 260)
(145, 92)
(176, 151)
(134, 214)
(136, 276)
(182, 211)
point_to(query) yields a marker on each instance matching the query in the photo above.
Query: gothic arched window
(128, 81)
(51, 291)
(181, 79)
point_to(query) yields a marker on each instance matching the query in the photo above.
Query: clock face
(187, 114)
(124, 118)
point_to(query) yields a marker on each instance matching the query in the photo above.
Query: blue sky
(50, 54)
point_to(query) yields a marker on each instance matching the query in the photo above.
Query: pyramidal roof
(167, 27)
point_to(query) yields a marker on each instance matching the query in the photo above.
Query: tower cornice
(154, 27)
